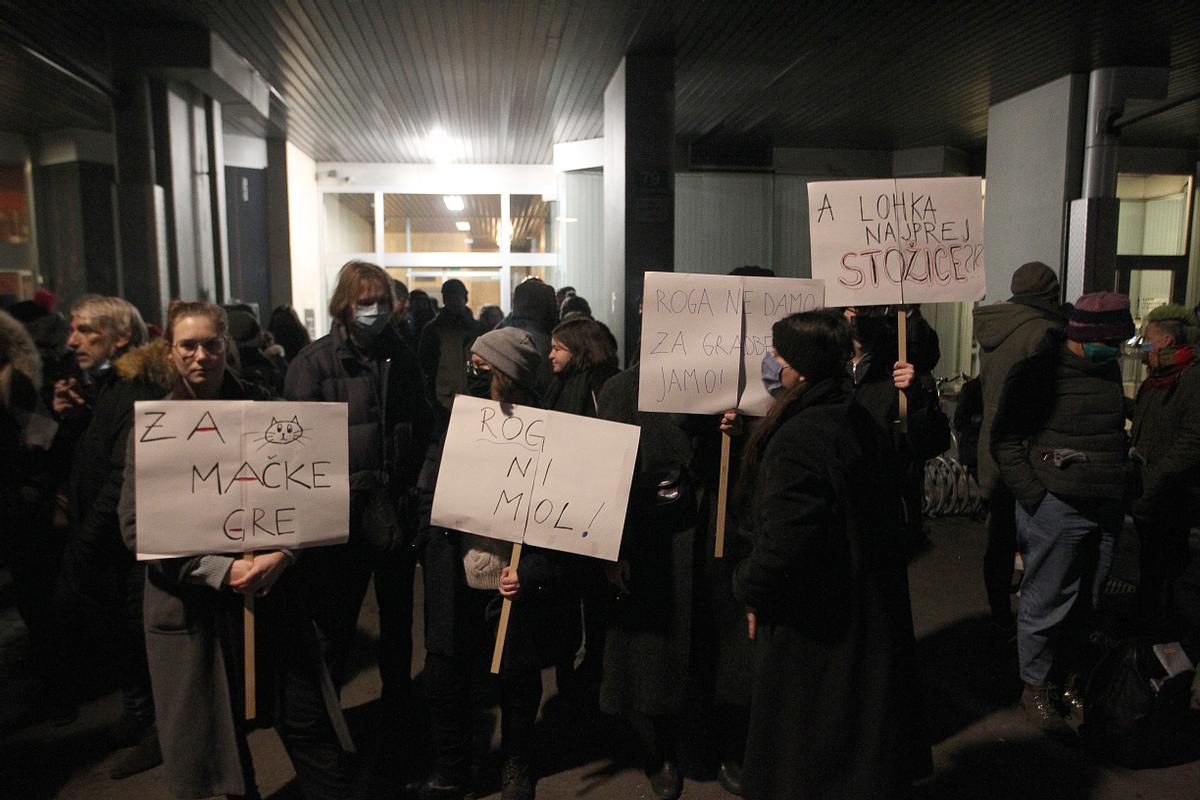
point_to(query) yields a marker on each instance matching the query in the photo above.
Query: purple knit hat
(1100, 317)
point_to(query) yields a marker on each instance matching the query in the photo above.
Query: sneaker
(438, 787)
(1070, 703)
(666, 781)
(1042, 710)
(516, 782)
(729, 775)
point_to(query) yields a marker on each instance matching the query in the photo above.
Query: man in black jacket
(99, 579)
(1059, 439)
(365, 363)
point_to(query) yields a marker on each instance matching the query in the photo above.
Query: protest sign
(234, 475)
(704, 337)
(910, 240)
(522, 474)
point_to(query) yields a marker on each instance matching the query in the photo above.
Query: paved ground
(983, 748)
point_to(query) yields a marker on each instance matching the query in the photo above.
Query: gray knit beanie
(512, 352)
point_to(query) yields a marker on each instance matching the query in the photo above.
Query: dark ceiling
(367, 80)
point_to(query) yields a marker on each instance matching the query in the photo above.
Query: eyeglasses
(189, 347)
(475, 370)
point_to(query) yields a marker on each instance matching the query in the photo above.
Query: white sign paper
(235, 475)
(704, 337)
(522, 474)
(908, 240)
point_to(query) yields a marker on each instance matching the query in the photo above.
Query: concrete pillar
(639, 184)
(141, 211)
(279, 250)
(1034, 167)
(1092, 251)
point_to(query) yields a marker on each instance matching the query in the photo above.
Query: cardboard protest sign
(235, 475)
(910, 240)
(704, 337)
(548, 479)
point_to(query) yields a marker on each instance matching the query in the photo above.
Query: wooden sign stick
(505, 611)
(248, 631)
(722, 494)
(902, 347)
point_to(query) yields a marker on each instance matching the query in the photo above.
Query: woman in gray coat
(193, 619)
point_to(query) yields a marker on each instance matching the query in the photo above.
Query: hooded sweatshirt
(1007, 333)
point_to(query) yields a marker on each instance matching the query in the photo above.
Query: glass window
(1154, 215)
(435, 223)
(349, 223)
(532, 224)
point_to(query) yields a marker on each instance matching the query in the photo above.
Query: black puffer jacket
(98, 458)
(388, 417)
(1061, 428)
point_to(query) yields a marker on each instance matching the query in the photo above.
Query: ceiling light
(463, 225)
(567, 219)
(453, 202)
(438, 146)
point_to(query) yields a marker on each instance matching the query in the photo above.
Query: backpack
(1137, 715)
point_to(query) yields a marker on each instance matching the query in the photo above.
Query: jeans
(1067, 547)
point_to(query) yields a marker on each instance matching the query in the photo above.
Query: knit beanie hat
(1100, 317)
(511, 351)
(1035, 279)
(1173, 312)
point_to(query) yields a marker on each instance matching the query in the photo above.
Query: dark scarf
(1168, 364)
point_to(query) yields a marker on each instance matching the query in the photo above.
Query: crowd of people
(797, 644)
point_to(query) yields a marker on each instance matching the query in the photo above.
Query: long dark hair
(817, 345)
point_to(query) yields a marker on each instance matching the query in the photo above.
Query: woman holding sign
(834, 712)
(194, 623)
(466, 576)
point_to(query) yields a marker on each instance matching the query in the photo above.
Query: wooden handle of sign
(902, 348)
(505, 611)
(248, 630)
(722, 494)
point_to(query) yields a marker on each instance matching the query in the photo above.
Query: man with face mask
(1059, 440)
(365, 363)
(1166, 436)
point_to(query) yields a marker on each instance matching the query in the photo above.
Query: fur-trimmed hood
(150, 363)
(16, 345)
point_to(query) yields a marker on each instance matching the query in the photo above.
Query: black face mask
(480, 384)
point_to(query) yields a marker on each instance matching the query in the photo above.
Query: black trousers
(448, 682)
(335, 582)
(98, 598)
(1163, 557)
(1001, 547)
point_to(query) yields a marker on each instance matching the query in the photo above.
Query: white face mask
(372, 319)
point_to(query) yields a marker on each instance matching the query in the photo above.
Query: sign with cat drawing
(233, 476)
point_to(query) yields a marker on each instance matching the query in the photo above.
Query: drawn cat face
(284, 431)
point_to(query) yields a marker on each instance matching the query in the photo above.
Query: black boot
(516, 782)
(666, 782)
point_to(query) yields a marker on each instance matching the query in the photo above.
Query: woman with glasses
(193, 622)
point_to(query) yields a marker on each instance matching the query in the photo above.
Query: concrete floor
(983, 748)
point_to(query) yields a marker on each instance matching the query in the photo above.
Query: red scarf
(1168, 364)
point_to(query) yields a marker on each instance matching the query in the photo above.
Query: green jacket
(1007, 333)
(1166, 433)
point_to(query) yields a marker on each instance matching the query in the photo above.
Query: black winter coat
(542, 614)
(388, 417)
(835, 710)
(98, 460)
(1166, 433)
(1060, 428)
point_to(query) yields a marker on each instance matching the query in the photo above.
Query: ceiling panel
(367, 80)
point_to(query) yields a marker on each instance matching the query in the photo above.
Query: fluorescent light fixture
(567, 219)
(453, 202)
(439, 147)
(463, 225)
